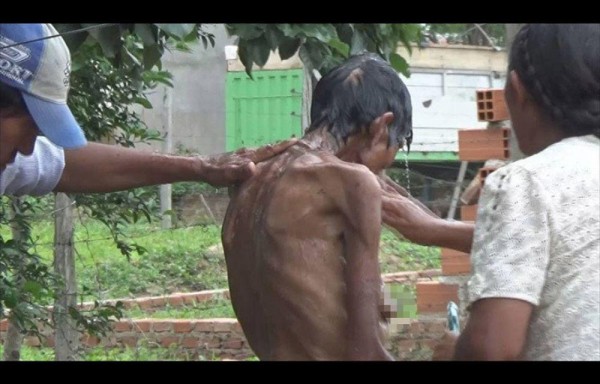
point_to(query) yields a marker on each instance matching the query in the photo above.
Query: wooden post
(457, 189)
(14, 337)
(66, 338)
(166, 190)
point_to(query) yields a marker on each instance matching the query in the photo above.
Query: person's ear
(520, 93)
(379, 127)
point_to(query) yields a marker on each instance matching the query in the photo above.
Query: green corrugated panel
(428, 156)
(263, 110)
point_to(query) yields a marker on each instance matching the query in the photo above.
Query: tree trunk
(166, 190)
(14, 337)
(13, 341)
(66, 338)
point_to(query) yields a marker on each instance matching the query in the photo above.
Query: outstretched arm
(107, 168)
(413, 219)
(390, 186)
(420, 226)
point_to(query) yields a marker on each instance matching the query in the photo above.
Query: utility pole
(67, 344)
(166, 190)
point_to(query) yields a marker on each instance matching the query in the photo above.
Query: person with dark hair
(301, 238)
(34, 83)
(534, 293)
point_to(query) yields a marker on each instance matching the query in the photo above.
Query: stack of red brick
(474, 145)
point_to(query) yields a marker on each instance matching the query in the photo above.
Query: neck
(546, 134)
(320, 140)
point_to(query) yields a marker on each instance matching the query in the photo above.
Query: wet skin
(301, 244)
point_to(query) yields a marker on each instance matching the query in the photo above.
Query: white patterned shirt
(36, 174)
(537, 239)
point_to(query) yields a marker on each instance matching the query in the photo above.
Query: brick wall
(491, 145)
(415, 341)
(224, 339)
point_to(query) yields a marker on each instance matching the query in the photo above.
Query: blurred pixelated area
(399, 302)
(410, 337)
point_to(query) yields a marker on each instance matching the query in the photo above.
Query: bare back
(301, 243)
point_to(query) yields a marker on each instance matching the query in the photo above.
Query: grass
(184, 259)
(219, 308)
(181, 259)
(139, 353)
(397, 255)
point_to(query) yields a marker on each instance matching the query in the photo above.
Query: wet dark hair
(559, 65)
(10, 97)
(349, 97)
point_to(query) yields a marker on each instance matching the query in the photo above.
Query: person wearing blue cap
(43, 148)
(534, 290)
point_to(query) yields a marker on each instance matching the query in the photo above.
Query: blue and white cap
(40, 68)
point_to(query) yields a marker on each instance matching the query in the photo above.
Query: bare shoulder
(348, 186)
(330, 168)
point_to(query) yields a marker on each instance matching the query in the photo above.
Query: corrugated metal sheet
(263, 110)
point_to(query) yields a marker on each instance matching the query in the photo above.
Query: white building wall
(443, 101)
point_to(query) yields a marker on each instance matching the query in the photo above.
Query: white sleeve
(36, 174)
(510, 250)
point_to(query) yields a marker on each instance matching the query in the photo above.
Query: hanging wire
(60, 34)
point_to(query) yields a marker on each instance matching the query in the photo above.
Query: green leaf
(193, 36)
(162, 77)
(177, 30)
(245, 57)
(316, 53)
(288, 47)
(259, 51)
(399, 64)
(345, 32)
(148, 33)
(322, 32)
(32, 287)
(129, 57)
(385, 29)
(109, 39)
(10, 299)
(152, 56)
(183, 47)
(408, 33)
(273, 36)
(291, 30)
(340, 46)
(143, 102)
(246, 31)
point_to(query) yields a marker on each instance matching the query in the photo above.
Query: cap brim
(56, 122)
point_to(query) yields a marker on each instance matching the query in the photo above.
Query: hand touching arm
(421, 226)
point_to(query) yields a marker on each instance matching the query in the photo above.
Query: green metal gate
(263, 110)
